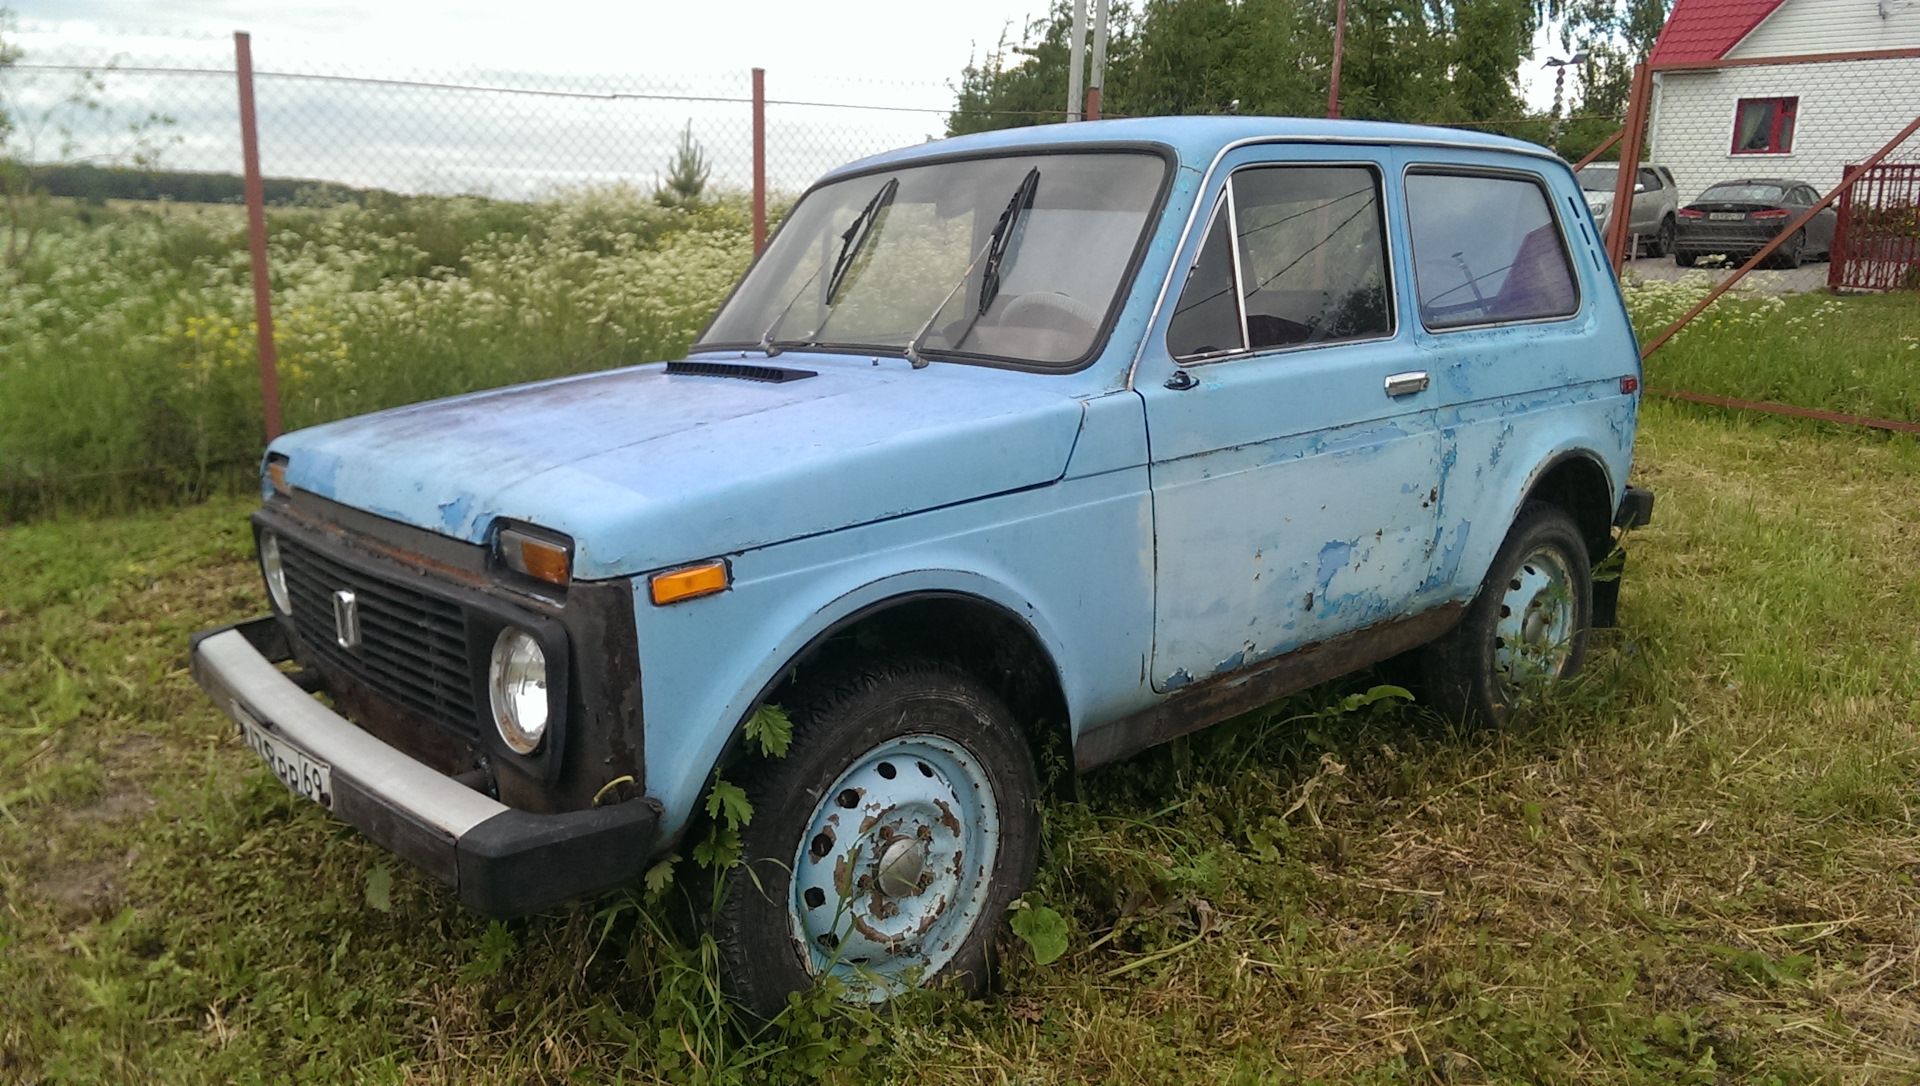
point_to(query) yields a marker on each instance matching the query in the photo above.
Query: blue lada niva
(1070, 438)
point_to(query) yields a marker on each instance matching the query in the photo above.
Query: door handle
(1406, 384)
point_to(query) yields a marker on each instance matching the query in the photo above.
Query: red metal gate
(1876, 243)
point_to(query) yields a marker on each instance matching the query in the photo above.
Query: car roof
(1196, 140)
(1781, 181)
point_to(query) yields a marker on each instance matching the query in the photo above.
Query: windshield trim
(1123, 290)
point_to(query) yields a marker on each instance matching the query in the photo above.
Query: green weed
(1856, 355)
(127, 344)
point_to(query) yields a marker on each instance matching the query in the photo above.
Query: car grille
(413, 647)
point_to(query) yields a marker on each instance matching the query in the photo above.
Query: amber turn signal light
(689, 582)
(277, 475)
(542, 559)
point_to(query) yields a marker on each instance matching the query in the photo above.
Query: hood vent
(774, 374)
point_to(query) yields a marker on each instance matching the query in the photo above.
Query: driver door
(1295, 452)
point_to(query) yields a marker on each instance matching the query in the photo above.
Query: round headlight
(275, 572)
(517, 681)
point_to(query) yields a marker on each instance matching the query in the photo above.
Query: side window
(1295, 255)
(1206, 320)
(1650, 180)
(1764, 126)
(1486, 249)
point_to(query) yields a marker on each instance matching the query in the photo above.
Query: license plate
(305, 775)
(1727, 216)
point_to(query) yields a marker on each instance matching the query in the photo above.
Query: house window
(1764, 126)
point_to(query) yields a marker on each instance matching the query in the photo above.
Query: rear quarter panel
(1516, 397)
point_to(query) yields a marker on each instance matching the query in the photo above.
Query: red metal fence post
(1620, 226)
(759, 160)
(1837, 248)
(1600, 150)
(257, 238)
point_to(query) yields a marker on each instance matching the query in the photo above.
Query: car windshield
(1599, 178)
(1745, 193)
(991, 261)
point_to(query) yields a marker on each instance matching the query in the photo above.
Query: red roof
(1700, 30)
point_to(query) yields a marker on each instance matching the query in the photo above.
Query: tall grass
(1697, 865)
(1859, 355)
(127, 362)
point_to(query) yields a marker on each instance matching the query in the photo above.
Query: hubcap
(1533, 638)
(893, 870)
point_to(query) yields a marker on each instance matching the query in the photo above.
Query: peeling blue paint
(453, 512)
(1333, 558)
(1177, 680)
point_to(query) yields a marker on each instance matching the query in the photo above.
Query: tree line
(1427, 61)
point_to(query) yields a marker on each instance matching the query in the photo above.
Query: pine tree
(686, 179)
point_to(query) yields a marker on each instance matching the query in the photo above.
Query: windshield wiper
(767, 342)
(856, 236)
(851, 243)
(993, 252)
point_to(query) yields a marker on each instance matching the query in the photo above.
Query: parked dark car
(1736, 218)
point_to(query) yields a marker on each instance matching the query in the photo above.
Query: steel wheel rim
(893, 870)
(1533, 636)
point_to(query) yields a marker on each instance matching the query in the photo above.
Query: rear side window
(1295, 255)
(1486, 250)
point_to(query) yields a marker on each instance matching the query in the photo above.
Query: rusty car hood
(645, 469)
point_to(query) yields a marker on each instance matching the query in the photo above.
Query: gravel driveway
(1762, 281)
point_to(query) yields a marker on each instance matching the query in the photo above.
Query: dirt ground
(1798, 281)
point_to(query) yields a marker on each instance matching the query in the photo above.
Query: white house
(1782, 88)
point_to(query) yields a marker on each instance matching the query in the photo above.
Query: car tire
(1791, 252)
(1662, 242)
(1527, 627)
(943, 784)
(1685, 259)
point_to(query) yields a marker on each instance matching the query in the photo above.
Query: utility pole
(1099, 79)
(1339, 48)
(1076, 59)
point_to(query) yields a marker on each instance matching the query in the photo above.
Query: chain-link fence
(504, 134)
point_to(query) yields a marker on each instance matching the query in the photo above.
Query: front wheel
(887, 845)
(1525, 630)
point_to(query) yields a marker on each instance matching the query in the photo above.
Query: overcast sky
(858, 52)
(891, 48)
(804, 46)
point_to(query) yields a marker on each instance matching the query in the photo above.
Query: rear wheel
(1791, 252)
(886, 847)
(1662, 242)
(1526, 630)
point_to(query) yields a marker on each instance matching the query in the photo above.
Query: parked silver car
(1656, 202)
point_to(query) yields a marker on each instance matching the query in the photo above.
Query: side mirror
(1639, 187)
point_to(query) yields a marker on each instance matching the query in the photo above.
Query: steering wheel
(1023, 310)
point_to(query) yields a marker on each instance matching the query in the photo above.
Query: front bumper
(502, 862)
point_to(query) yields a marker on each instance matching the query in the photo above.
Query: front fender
(706, 663)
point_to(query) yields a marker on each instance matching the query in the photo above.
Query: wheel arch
(1577, 481)
(987, 638)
